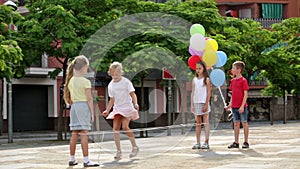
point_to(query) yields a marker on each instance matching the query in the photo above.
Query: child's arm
(134, 99)
(241, 109)
(208, 95)
(229, 105)
(192, 97)
(109, 106)
(88, 92)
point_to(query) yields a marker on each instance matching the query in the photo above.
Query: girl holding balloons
(200, 99)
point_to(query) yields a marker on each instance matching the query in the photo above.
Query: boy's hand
(227, 108)
(241, 110)
(105, 113)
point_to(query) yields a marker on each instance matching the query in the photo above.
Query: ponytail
(70, 72)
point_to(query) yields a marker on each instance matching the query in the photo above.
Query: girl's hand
(92, 118)
(204, 108)
(192, 109)
(136, 106)
(105, 113)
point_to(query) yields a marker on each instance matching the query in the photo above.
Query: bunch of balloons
(206, 49)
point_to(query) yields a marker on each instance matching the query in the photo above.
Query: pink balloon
(194, 52)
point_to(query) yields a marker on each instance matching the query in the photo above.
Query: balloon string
(222, 96)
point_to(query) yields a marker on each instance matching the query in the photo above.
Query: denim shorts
(240, 117)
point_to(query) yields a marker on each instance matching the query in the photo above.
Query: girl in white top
(125, 107)
(200, 98)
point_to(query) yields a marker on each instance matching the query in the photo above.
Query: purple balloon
(194, 52)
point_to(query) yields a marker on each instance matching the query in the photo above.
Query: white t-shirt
(120, 91)
(200, 91)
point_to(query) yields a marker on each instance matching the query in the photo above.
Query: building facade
(36, 97)
(265, 11)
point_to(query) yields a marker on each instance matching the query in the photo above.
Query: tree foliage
(283, 61)
(11, 56)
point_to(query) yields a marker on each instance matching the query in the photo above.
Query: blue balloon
(222, 59)
(217, 77)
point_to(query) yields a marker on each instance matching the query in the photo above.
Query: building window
(245, 13)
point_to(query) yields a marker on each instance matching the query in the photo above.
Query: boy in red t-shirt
(238, 103)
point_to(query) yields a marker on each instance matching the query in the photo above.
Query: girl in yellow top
(77, 92)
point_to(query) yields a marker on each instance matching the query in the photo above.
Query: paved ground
(276, 146)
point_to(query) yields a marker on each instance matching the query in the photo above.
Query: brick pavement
(276, 146)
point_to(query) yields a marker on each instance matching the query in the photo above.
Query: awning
(271, 10)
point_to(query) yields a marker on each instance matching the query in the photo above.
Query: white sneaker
(118, 155)
(205, 146)
(134, 152)
(90, 164)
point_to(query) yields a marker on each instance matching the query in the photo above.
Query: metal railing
(268, 22)
(250, 1)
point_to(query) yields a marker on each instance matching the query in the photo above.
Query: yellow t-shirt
(77, 86)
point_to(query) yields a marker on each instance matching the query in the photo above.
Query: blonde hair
(76, 65)
(117, 66)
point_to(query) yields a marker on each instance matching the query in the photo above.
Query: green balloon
(197, 28)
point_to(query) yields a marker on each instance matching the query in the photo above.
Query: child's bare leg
(246, 131)
(116, 128)
(128, 131)
(84, 143)
(73, 142)
(198, 128)
(236, 131)
(207, 127)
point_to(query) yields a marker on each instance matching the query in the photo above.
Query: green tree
(245, 40)
(58, 28)
(283, 66)
(11, 56)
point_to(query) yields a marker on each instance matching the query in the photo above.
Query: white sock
(72, 158)
(86, 159)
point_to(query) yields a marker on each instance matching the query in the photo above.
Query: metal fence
(267, 22)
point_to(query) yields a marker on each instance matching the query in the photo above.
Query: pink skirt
(129, 113)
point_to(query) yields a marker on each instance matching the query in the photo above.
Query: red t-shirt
(238, 86)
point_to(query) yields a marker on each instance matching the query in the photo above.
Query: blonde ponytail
(70, 72)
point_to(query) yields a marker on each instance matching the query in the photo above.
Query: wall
(277, 108)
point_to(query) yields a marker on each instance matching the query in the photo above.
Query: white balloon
(198, 42)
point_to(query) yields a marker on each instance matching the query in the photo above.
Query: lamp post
(9, 91)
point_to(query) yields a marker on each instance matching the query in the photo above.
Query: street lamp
(10, 121)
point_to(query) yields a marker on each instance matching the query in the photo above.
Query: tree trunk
(60, 117)
(1, 118)
(62, 103)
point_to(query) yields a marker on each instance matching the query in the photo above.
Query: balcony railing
(250, 1)
(258, 83)
(267, 22)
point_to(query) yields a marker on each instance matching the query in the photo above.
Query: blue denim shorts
(240, 117)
